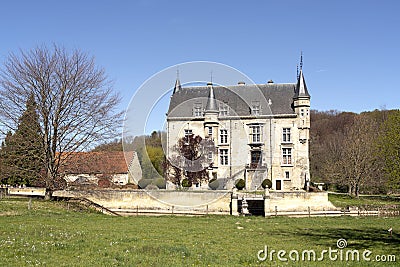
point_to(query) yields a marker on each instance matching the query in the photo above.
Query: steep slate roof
(301, 87)
(112, 162)
(211, 101)
(239, 98)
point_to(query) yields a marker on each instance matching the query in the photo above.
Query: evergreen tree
(390, 149)
(22, 152)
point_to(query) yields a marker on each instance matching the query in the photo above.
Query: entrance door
(278, 185)
(255, 159)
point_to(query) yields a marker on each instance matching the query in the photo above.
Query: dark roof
(301, 87)
(177, 85)
(211, 101)
(112, 162)
(273, 99)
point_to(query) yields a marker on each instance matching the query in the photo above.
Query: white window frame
(256, 133)
(223, 137)
(210, 155)
(188, 132)
(286, 135)
(255, 108)
(223, 109)
(223, 157)
(198, 110)
(210, 131)
(287, 156)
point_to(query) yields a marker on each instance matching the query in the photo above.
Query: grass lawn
(49, 234)
(371, 202)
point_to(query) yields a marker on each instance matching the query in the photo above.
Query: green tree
(390, 149)
(23, 151)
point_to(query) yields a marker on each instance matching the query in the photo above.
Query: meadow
(46, 233)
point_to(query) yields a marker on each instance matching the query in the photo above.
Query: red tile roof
(112, 162)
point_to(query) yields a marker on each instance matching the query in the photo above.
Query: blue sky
(351, 48)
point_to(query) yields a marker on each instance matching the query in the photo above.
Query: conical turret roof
(301, 87)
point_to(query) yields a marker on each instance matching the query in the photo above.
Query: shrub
(143, 183)
(103, 183)
(266, 183)
(213, 184)
(240, 184)
(160, 183)
(186, 183)
(151, 187)
(131, 186)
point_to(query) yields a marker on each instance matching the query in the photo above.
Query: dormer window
(223, 109)
(255, 108)
(198, 110)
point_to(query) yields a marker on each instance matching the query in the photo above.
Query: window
(223, 156)
(286, 135)
(255, 108)
(188, 132)
(223, 109)
(302, 112)
(210, 155)
(287, 175)
(255, 159)
(198, 110)
(286, 156)
(210, 131)
(255, 134)
(223, 136)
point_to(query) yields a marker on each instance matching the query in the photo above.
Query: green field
(369, 202)
(48, 234)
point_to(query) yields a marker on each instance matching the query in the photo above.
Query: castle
(259, 131)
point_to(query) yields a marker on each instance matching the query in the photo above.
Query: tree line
(356, 153)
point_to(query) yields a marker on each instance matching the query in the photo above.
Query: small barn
(99, 168)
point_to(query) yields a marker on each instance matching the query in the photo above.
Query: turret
(211, 102)
(177, 85)
(301, 102)
(211, 113)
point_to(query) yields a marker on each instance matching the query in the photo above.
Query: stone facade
(259, 131)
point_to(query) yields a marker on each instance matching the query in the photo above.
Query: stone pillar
(266, 201)
(234, 203)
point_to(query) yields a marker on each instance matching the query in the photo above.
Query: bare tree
(353, 157)
(191, 162)
(75, 101)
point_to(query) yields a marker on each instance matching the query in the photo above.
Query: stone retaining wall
(163, 201)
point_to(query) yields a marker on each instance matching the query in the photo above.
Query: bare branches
(76, 103)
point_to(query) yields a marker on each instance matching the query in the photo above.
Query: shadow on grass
(365, 238)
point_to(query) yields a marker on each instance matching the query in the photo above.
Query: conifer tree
(22, 152)
(390, 149)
